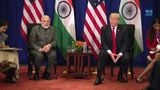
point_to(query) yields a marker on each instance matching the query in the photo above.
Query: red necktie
(113, 41)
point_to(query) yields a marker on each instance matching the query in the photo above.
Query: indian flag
(64, 24)
(131, 14)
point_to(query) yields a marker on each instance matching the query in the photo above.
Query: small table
(78, 58)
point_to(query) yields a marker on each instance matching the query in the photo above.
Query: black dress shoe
(36, 77)
(9, 79)
(47, 76)
(97, 81)
(122, 79)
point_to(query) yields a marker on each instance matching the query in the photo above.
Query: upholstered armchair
(30, 55)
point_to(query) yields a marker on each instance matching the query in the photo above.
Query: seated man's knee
(39, 56)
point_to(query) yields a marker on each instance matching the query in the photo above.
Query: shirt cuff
(120, 53)
(109, 51)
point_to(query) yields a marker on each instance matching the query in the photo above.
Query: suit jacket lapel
(118, 34)
(117, 31)
(43, 35)
(109, 33)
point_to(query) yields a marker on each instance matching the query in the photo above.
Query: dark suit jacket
(121, 39)
(40, 37)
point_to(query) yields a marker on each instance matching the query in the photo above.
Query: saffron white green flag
(131, 14)
(64, 24)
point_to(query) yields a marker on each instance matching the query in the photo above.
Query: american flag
(32, 13)
(95, 18)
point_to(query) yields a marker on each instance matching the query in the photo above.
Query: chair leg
(29, 70)
(55, 69)
(103, 75)
(127, 71)
(130, 69)
(131, 66)
(112, 69)
(36, 74)
(30, 66)
(54, 72)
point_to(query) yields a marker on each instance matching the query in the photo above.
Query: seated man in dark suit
(42, 43)
(114, 47)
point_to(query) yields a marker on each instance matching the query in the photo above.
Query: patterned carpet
(70, 83)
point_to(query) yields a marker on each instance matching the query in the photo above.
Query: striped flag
(95, 18)
(32, 13)
(64, 24)
(131, 14)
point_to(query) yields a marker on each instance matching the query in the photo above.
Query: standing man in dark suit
(114, 46)
(42, 43)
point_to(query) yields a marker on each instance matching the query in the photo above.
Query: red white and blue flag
(32, 13)
(95, 18)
